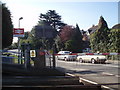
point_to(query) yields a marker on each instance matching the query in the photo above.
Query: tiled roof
(117, 26)
(93, 29)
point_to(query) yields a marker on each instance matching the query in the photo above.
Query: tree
(63, 36)
(75, 44)
(25, 38)
(100, 37)
(36, 43)
(78, 39)
(66, 33)
(50, 21)
(59, 43)
(26, 34)
(52, 18)
(70, 38)
(114, 41)
(44, 33)
(7, 27)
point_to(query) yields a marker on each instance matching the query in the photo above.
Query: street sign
(18, 32)
(32, 53)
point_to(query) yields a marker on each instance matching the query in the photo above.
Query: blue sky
(85, 14)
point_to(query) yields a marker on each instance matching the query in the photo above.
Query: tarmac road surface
(104, 74)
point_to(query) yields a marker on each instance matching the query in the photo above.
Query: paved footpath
(113, 61)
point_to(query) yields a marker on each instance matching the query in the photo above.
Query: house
(92, 29)
(101, 24)
(117, 26)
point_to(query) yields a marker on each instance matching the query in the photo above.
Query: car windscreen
(67, 52)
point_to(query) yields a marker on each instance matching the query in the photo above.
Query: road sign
(32, 53)
(18, 32)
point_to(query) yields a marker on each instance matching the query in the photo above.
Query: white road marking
(105, 73)
(108, 65)
(95, 83)
(117, 75)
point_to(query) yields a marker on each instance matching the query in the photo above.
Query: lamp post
(19, 41)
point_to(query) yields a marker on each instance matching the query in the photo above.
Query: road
(105, 74)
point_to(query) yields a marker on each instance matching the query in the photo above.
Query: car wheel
(80, 60)
(57, 57)
(93, 61)
(65, 59)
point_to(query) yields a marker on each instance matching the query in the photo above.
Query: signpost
(32, 53)
(18, 32)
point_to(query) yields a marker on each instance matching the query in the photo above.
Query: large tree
(75, 44)
(78, 39)
(114, 41)
(70, 38)
(100, 37)
(35, 42)
(7, 27)
(52, 18)
(66, 33)
(44, 33)
(50, 21)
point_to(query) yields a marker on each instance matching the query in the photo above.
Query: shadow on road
(78, 72)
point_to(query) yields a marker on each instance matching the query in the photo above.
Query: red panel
(89, 53)
(18, 31)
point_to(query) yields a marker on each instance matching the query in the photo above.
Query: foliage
(70, 38)
(52, 18)
(59, 44)
(66, 33)
(100, 37)
(25, 38)
(114, 42)
(78, 40)
(105, 40)
(13, 46)
(35, 42)
(26, 34)
(69, 45)
(7, 27)
(64, 39)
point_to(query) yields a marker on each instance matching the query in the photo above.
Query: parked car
(92, 58)
(66, 55)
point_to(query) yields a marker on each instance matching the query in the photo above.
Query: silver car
(92, 58)
(66, 55)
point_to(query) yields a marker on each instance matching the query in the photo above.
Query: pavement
(113, 61)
